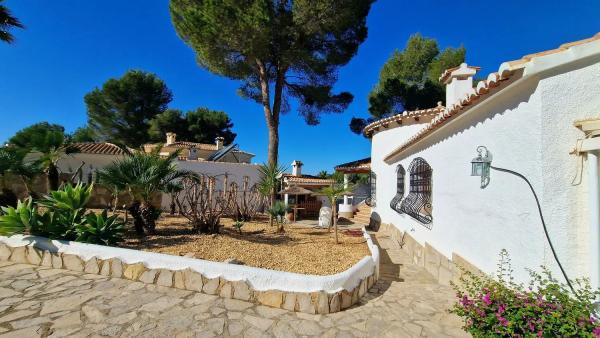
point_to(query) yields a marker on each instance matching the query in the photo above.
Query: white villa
(538, 116)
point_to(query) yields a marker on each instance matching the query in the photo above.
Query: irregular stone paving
(43, 302)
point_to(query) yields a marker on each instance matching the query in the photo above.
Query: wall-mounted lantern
(480, 165)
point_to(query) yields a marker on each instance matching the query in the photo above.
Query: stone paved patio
(43, 302)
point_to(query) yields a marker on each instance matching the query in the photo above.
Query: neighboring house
(530, 115)
(309, 204)
(192, 151)
(89, 158)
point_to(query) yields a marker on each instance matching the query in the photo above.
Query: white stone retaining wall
(291, 291)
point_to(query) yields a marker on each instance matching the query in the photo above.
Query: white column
(346, 180)
(285, 199)
(594, 200)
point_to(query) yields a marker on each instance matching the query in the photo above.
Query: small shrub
(62, 216)
(238, 225)
(101, 229)
(546, 308)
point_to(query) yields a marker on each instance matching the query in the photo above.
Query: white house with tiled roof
(193, 151)
(536, 117)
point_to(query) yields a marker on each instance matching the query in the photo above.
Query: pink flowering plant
(499, 307)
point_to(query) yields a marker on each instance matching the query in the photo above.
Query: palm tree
(12, 161)
(269, 182)
(332, 193)
(7, 21)
(323, 174)
(142, 175)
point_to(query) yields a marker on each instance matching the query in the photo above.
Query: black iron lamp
(480, 165)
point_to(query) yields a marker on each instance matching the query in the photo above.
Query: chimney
(458, 81)
(171, 138)
(297, 168)
(219, 141)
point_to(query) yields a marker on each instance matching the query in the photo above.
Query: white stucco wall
(69, 163)
(235, 172)
(529, 129)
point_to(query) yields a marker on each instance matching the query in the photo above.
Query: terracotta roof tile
(362, 164)
(307, 179)
(184, 144)
(374, 126)
(100, 148)
(482, 91)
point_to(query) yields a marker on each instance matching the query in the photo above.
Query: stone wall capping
(442, 268)
(295, 292)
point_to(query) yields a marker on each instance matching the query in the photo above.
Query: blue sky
(70, 47)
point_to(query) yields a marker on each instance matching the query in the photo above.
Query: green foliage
(546, 308)
(50, 141)
(238, 225)
(279, 210)
(120, 111)
(68, 198)
(7, 22)
(101, 229)
(409, 80)
(83, 134)
(142, 174)
(43, 137)
(201, 125)
(62, 216)
(269, 178)
(17, 220)
(279, 50)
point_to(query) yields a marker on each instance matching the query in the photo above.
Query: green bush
(545, 308)
(279, 209)
(62, 215)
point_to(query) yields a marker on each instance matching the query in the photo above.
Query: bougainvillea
(499, 307)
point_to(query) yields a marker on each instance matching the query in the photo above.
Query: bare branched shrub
(203, 204)
(248, 200)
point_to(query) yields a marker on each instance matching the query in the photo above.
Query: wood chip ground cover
(300, 249)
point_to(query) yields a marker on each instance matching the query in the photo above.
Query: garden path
(42, 302)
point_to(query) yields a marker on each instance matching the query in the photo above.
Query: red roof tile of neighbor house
(307, 179)
(358, 165)
(494, 83)
(99, 148)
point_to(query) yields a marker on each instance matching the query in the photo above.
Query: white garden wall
(529, 129)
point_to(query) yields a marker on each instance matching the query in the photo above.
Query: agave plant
(101, 229)
(142, 175)
(19, 219)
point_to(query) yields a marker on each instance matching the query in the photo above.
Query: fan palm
(332, 193)
(12, 161)
(142, 175)
(7, 22)
(269, 182)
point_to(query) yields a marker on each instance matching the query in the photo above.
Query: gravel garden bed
(300, 249)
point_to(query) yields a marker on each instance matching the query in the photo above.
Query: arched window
(417, 203)
(395, 203)
(372, 200)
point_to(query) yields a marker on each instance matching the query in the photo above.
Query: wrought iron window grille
(372, 200)
(417, 203)
(395, 203)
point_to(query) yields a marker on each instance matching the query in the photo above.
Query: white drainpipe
(591, 146)
(594, 202)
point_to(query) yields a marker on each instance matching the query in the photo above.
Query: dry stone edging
(320, 302)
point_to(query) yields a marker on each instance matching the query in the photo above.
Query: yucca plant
(101, 229)
(332, 193)
(142, 175)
